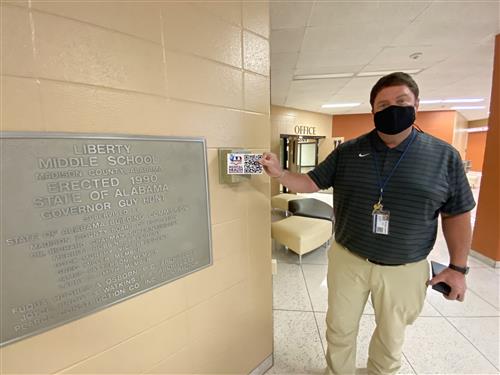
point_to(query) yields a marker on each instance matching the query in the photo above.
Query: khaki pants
(397, 294)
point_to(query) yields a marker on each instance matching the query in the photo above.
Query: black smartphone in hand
(440, 287)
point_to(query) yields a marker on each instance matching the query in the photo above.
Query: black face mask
(394, 119)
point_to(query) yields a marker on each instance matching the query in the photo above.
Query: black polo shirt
(429, 180)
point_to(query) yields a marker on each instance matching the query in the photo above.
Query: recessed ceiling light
(468, 107)
(301, 77)
(385, 72)
(340, 105)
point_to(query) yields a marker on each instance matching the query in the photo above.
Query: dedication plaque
(88, 221)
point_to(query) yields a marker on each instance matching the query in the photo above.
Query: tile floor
(448, 338)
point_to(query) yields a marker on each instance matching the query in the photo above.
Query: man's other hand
(455, 280)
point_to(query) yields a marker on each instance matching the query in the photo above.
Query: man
(390, 186)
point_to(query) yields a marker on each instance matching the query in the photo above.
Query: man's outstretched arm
(297, 182)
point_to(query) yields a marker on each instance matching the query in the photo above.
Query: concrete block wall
(155, 68)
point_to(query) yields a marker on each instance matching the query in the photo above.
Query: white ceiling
(456, 39)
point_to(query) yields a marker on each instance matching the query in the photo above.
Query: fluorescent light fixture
(477, 130)
(430, 101)
(437, 101)
(301, 77)
(385, 72)
(340, 105)
(468, 107)
(463, 100)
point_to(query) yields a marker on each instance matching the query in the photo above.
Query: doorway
(298, 153)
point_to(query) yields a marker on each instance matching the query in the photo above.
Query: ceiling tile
(326, 14)
(463, 13)
(359, 85)
(285, 15)
(453, 24)
(399, 57)
(347, 36)
(336, 61)
(339, 97)
(277, 99)
(286, 40)
(284, 60)
(456, 39)
(324, 86)
(345, 13)
(329, 69)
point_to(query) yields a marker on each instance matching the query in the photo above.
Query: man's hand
(455, 280)
(271, 164)
(296, 182)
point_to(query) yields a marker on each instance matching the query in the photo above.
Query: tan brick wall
(157, 68)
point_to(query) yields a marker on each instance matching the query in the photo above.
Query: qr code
(251, 164)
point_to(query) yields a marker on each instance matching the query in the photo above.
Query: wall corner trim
(264, 366)
(483, 258)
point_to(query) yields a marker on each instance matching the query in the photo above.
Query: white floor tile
(476, 263)
(283, 255)
(315, 276)
(318, 256)
(297, 345)
(321, 321)
(369, 308)
(289, 289)
(429, 310)
(485, 283)
(433, 346)
(366, 328)
(483, 334)
(472, 305)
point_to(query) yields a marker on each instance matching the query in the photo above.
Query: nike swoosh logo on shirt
(363, 155)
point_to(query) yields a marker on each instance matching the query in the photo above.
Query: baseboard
(483, 258)
(263, 367)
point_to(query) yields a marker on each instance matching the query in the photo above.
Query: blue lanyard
(381, 184)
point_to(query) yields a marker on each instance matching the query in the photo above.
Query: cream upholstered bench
(281, 200)
(301, 234)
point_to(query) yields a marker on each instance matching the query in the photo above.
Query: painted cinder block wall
(155, 68)
(476, 144)
(485, 239)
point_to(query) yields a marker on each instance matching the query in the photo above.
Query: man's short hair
(394, 79)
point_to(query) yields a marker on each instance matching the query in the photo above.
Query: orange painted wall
(351, 126)
(486, 239)
(437, 123)
(476, 144)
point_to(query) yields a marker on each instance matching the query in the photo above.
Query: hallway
(447, 338)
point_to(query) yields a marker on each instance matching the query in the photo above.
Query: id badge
(380, 222)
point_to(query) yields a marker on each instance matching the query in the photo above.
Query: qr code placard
(252, 165)
(244, 164)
